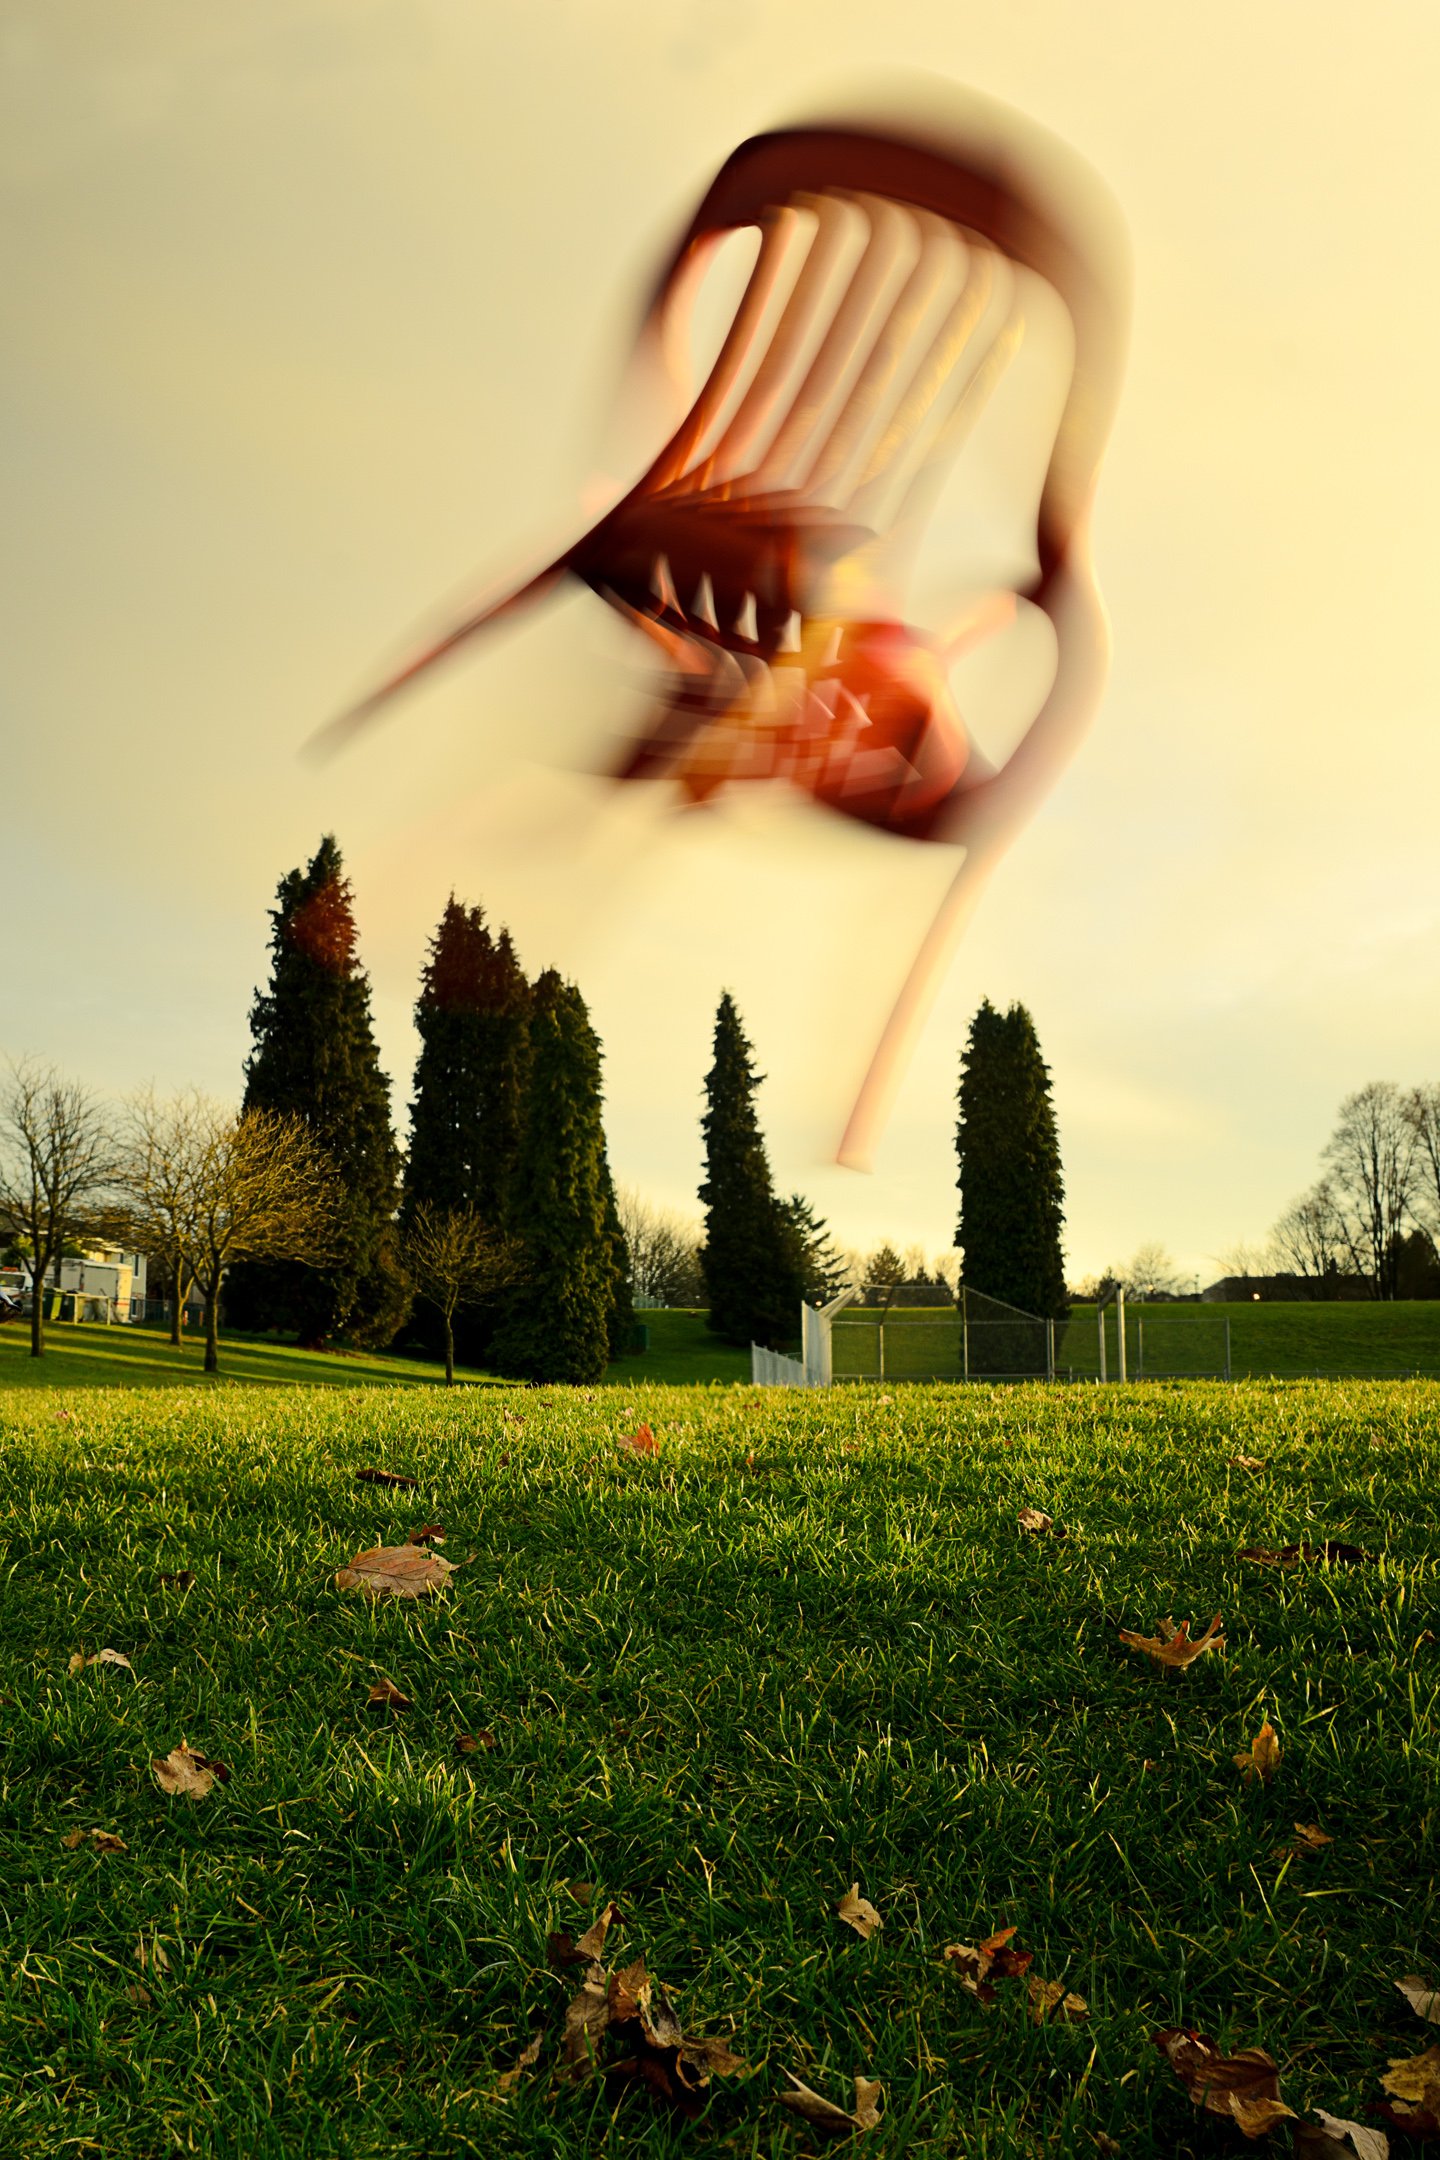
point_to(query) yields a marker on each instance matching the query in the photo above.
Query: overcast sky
(311, 308)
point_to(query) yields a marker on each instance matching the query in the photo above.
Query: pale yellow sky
(310, 310)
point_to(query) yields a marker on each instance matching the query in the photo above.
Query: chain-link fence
(926, 1331)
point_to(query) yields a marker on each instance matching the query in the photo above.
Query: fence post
(880, 1348)
(964, 1331)
(1120, 1373)
(1140, 1347)
(1049, 1349)
(1227, 1346)
(1100, 1322)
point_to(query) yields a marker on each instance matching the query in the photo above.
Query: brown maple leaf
(525, 2060)
(99, 1840)
(430, 1533)
(470, 1743)
(980, 1965)
(1243, 2088)
(1335, 2139)
(824, 2116)
(1262, 1758)
(1172, 1646)
(1289, 1556)
(186, 1770)
(388, 1696)
(857, 1912)
(1309, 1837)
(79, 1661)
(1422, 1995)
(1050, 2000)
(408, 1571)
(386, 1477)
(641, 1442)
(1413, 2081)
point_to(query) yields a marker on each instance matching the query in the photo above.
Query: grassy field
(802, 1645)
(681, 1349)
(1339, 1341)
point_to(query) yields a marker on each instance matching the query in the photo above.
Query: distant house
(105, 1275)
(1286, 1289)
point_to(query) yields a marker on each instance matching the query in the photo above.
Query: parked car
(11, 1305)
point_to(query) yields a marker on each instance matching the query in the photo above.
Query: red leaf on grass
(640, 1442)
(1172, 1646)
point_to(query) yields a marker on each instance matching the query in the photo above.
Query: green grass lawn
(89, 1355)
(1338, 1341)
(803, 1645)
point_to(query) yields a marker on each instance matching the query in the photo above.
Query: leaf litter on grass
(1289, 1556)
(857, 1912)
(832, 2121)
(1413, 2083)
(1422, 1995)
(79, 1662)
(1332, 2138)
(97, 1840)
(406, 1571)
(388, 1696)
(1262, 1758)
(1243, 2088)
(1172, 1646)
(186, 1770)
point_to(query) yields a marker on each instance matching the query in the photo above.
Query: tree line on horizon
(501, 1217)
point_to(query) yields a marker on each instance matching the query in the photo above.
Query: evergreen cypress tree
(751, 1260)
(1011, 1187)
(472, 1016)
(822, 1271)
(315, 1058)
(557, 1320)
(620, 1335)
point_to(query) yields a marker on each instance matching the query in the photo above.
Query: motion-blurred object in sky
(768, 551)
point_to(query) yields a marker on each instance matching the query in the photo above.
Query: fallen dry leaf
(101, 1840)
(641, 1442)
(408, 1571)
(388, 1695)
(467, 1743)
(1422, 1996)
(582, 1892)
(430, 1533)
(525, 2060)
(182, 1579)
(386, 1477)
(857, 1912)
(1262, 1758)
(1247, 1462)
(1289, 1556)
(587, 2019)
(1309, 1837)
(562, 1950)
(185, 1770)
(1049, 1999)
(1335, 2139)
(79, 1661)
(1034, 1518)
(1172, 1646)
(140, 1996)
(1243, 2088)
(980, 1965)
(1415, 2082)
(823, 2115)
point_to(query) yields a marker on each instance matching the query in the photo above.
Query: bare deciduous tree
(214, 1187)
(1311, 1241)
(455, 1259)
(1373, 1161)
(1150, 1273)
(664, 1251)
(1422, 1114)
(56, 1164)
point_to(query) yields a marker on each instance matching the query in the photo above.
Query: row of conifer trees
(506, 1120)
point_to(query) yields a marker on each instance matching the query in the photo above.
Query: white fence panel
(771, 1368)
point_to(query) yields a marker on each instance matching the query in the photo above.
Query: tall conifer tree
(315, 1059)
(1012, 1190)
(473, 1020)
(752, 1258)
(558, 1318)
